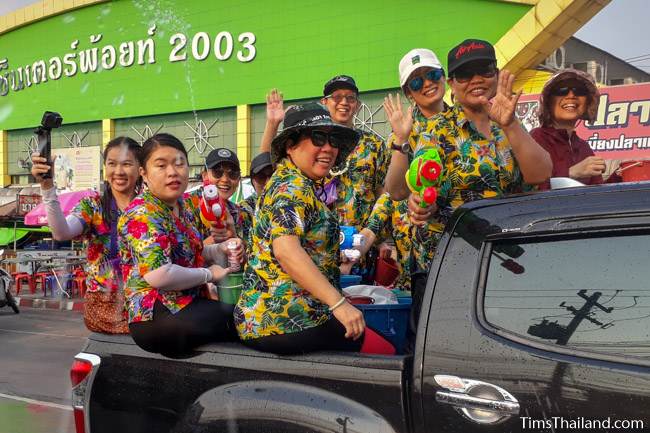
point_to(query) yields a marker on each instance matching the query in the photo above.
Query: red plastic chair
(19, 278)
(78, 283)
(41, 277)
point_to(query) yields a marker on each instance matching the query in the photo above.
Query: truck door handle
(481, 402)
(505, 408)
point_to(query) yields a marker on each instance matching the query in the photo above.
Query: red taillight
(81, 376)
(79, 371)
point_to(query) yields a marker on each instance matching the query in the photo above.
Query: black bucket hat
(298, 118)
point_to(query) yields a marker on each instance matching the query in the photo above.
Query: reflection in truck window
(586, 293)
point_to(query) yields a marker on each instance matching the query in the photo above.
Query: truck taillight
(82, 374)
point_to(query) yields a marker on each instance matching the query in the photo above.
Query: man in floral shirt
(359, 180)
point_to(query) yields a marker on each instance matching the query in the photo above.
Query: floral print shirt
(359, 178)
(271, 302)
(152, 236)
(474, 166)
(102, 271)
(392, 216)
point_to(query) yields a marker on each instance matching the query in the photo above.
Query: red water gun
(213, 207)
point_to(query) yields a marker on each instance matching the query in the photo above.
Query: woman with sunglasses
(423, 82)
(567, 98)
(291, 301)
(163, 257)
(94, 219)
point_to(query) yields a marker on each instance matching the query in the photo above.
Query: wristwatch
(404, 147)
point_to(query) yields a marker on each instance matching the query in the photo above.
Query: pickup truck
(536, 317)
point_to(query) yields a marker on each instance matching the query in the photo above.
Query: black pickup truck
(536, 317)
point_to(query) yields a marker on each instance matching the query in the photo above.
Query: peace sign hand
(501, 108)
(400, 123)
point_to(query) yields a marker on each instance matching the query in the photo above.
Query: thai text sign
(77, 168)
(25, 203)
(622, 127)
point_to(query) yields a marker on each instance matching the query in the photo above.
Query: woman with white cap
(568, 97)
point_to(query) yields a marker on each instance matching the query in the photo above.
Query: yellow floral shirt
(474, 167)
(391, 216)
(359, 178)
(271, 302)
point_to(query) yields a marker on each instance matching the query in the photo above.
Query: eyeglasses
(576, 90)
(487, 70)
(350, 99)
(232, 174)
(416, 83)
(319, 138)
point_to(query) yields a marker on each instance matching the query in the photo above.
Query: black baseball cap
(217, 156)
(260, 162)
(468, 51)
(340, 82)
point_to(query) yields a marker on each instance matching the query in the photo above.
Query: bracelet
(338, 304)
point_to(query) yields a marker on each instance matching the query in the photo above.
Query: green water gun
(423, 174)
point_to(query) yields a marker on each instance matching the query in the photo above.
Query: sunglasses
(463, 75)
(232, 174)
(416, 83)
(350, 99)
(320, 138)
(564, 90)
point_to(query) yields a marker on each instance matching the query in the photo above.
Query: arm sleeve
(63, 228)
(174, 277)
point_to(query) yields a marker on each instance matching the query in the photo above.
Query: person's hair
(107, 197)
(160, 140)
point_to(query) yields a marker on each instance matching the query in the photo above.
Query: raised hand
(501, 108)
(400, 122)
(274, 107)
(39, 168)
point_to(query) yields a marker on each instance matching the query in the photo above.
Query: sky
(620, 28)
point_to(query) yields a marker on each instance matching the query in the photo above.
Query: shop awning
(8, 234)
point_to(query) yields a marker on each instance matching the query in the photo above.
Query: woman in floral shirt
(291, 302)
(94, 219)
(163, 257)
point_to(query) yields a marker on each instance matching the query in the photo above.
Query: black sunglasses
(320, 138)
(416, 83)
(232, 174)
(564, 90)
(487, 70)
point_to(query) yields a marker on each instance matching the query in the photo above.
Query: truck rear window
(585, 293)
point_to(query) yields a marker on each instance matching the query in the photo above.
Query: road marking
(44, 333)
(32, 401)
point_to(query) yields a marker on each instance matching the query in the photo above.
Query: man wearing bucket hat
(290, 301)
(568, 97)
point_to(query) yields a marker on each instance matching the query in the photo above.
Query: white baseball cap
(414, 59)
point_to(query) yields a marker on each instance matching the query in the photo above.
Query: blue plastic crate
(350, 280)
(391, 321)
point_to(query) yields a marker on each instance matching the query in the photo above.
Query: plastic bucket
(387, 271)
(391, 321)
(350, 280)
(635, 171)
(230, 288)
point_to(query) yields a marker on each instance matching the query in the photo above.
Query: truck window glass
(587, 293)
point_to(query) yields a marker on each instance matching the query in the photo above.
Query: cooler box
(350, 280)
(391, 321)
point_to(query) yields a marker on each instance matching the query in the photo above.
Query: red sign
(622, 128)
(25, 203)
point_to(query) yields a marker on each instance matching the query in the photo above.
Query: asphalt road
(36, 351)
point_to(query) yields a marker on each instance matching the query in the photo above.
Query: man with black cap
(359, 179)
(222, 170)
(260, 172)
(484, 150)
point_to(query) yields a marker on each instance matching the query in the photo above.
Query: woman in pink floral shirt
(94, 220)
(163, 258)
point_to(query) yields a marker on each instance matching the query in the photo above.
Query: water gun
(213, 207)
(423, 175)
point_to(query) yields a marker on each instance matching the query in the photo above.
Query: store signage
(622, 127)
(26, 203)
